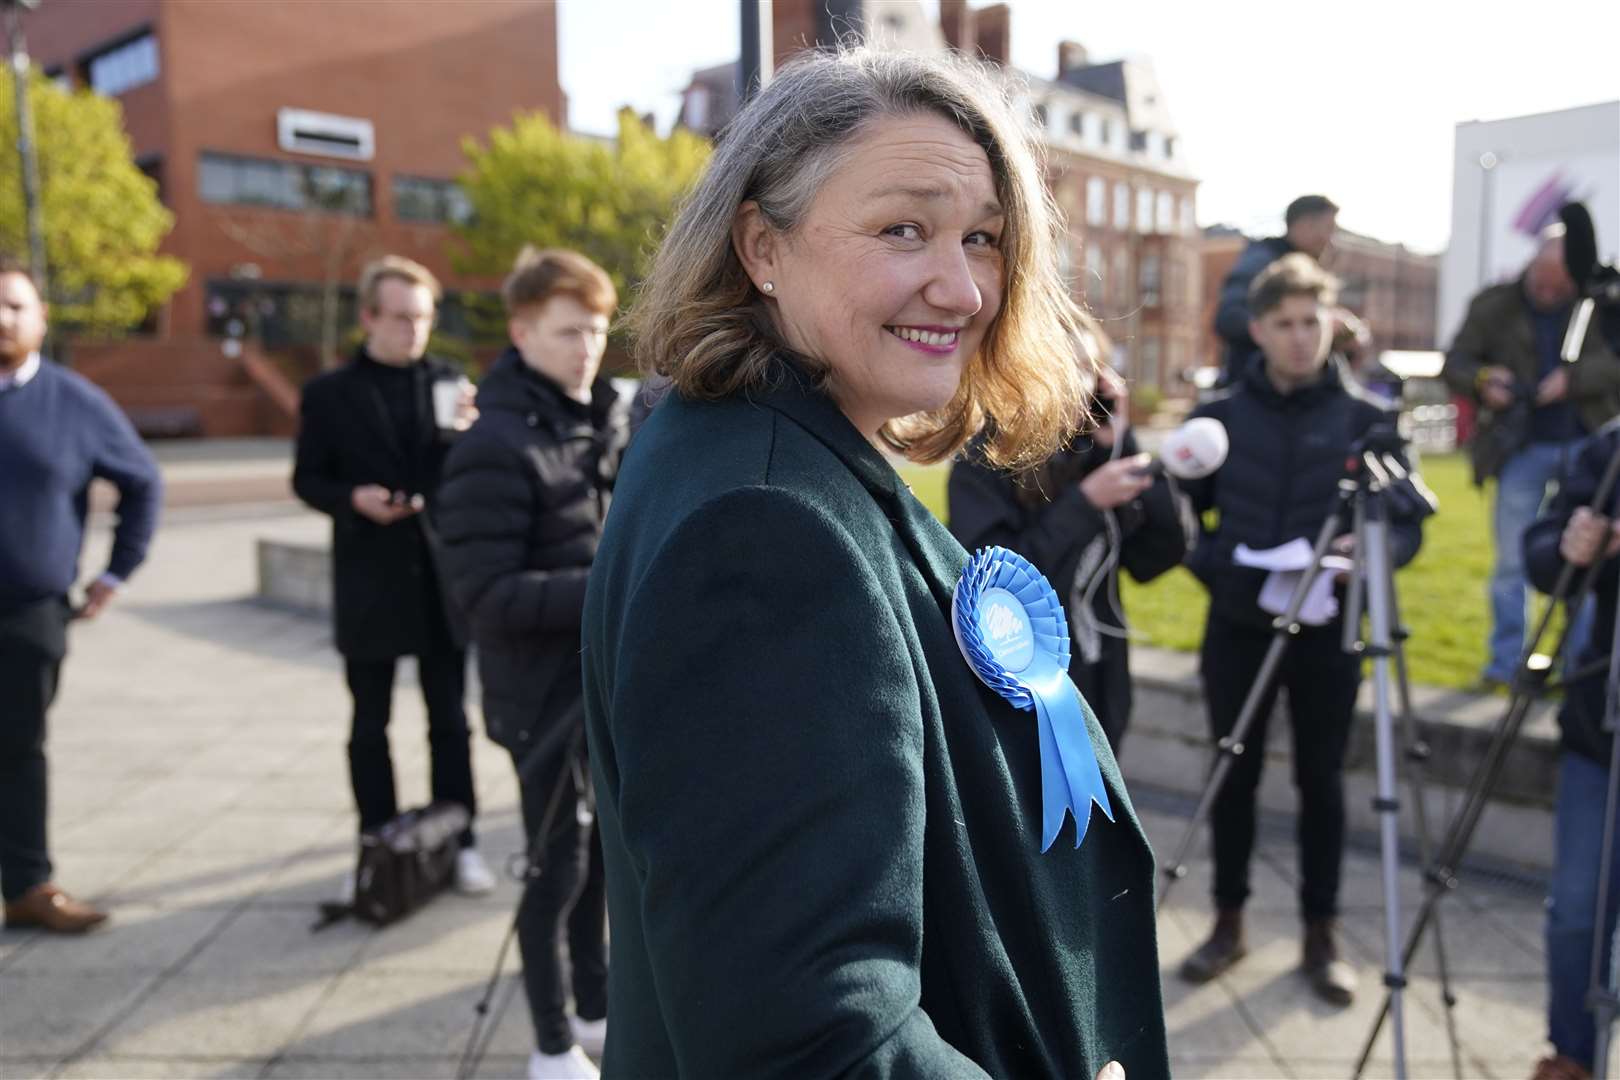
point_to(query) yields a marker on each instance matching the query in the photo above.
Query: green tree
(103, 220)
(533, 184)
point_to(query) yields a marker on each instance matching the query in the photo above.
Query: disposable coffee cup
(447, 395)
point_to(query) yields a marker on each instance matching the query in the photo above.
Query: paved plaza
(199, 788)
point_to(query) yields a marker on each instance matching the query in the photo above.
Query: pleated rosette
(1011, 628)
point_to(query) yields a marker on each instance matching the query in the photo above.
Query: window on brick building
(124, 66)
(1122, 207)
(1077, 123)
(1165, 213)
(1144, 211)
(1119, 285)
(1096, 201)
(1093, 283)
(419, 199)
(152, 166)
(1148, 370)
(284, 185)
(1040, 117)
(1148, 288)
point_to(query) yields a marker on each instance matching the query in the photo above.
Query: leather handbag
(403, 864)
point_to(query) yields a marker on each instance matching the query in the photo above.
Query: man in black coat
(1293, 421)
(520, 512)
(1309, 224)
(1089, 510)
(369, 455)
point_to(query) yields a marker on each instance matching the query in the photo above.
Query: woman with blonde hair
(852, 823)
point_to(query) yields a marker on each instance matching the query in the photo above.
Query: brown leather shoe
(1559, 1067)
(1224, 948)
(47, 907)
(1333, 980)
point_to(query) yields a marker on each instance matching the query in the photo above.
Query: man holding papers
(1292, 422)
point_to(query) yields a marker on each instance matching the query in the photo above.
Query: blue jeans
(1572, 904)
(1520, 491)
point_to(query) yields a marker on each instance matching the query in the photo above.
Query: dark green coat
(821, 832)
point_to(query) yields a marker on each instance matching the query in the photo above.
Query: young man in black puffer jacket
(1292, 421)
(520, 511)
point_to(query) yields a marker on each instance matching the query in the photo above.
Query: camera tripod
(1361, 509)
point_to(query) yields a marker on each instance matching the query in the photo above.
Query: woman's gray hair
(701, 322)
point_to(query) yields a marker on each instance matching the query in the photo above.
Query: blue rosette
(1011, 628)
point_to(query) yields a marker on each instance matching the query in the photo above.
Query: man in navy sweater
(57, 432)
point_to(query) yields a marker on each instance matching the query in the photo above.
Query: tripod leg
(1417, 757)
(1232, 745)
(1372, 546)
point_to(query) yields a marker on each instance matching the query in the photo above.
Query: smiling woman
(822, 835)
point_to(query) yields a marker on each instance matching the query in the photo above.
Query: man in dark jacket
(1534, 411)
(520, 512)
(1089, 510)
(57, 432)
(369, 454)
(1292, 421)
(1573, 531)
(1309, 224)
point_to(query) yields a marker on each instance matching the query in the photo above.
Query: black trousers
(569, 896)
(1321, 680)
(443, 676)
(32, 643)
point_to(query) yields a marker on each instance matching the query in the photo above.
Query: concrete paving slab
(1194, 1068)
(180, 880)
(261, 832)
(372, 1068)
(398, 1014)
(453, 936)
(279, 941)
(168, 1068)
(57, 1014)
(241, 1015)
(1281, 1004)
(138, 938)
(1200, 1022)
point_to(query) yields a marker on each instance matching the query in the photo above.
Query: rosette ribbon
(1010, 626)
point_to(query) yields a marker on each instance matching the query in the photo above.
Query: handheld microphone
(1192, 451)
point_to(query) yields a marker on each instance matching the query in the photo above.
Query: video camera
(1599, 285)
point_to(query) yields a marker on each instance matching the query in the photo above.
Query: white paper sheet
(1294, 555)
(1320, 605)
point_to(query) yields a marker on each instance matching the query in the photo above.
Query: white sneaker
(569, 1065)
(590, 1034)
(472, 873)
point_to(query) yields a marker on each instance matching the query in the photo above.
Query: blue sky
(1273, 98)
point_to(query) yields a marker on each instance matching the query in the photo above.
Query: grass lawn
(1442, 593)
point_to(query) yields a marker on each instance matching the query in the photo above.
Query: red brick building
(292, 142)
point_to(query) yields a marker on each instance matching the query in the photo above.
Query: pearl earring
(768, 288)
